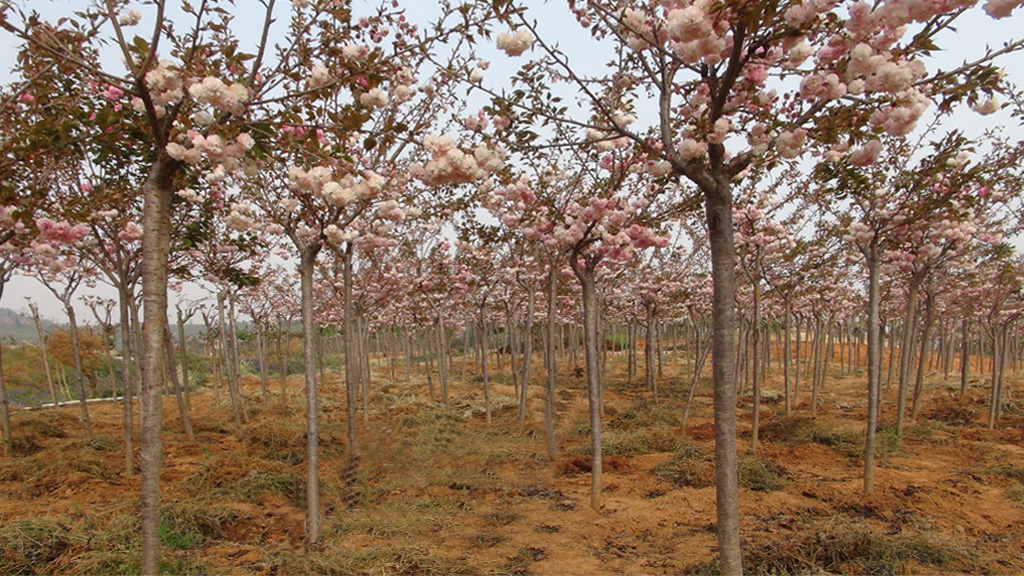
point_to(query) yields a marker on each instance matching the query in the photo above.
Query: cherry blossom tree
(840, 73)
(891, 204)
(195, 113)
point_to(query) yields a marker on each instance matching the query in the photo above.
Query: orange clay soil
(436, 492)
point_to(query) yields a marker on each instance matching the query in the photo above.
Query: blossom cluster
(450, 165)
(166, 84)
(213, 91)
(516, 43)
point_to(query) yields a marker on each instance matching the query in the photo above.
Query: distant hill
(20, 326)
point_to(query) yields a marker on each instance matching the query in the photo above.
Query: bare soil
(436, 492)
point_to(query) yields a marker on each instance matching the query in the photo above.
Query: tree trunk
(592, 358)
(906, 352)
(172, 370)
(76, 352)
(926, 334)
(630, 351)
(892, 355)
(262, 336)
(531, 302)
(755, 428)
(796, 361)
(718, 213)
(483, 365)
(184, 360)
(228, 368)
(428, 355)
(442, 365)
(874, 364)
(351, 357)
(657, 351)
(42, 348)
(965, 355)
(308, 259)
(5, 406)
(513, 344)
(551, 361)
(156, 218)
(816, 351)
(699, 360)
(1004, 348)
(649, 379)
(786, 353)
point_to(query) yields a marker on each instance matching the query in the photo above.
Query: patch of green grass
(385, 559)
(519, 563)
(636, 441)
(691, 465)
(1008, 471)
(186, 525)
(761, 474)
(29, 545)
(799, 429)
(502, 518)
(103, 443)
(256, 485)
(98, 543)
(837, 545)
(275, 438)
(487, 540)
(1015, 493)
(403, 518)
